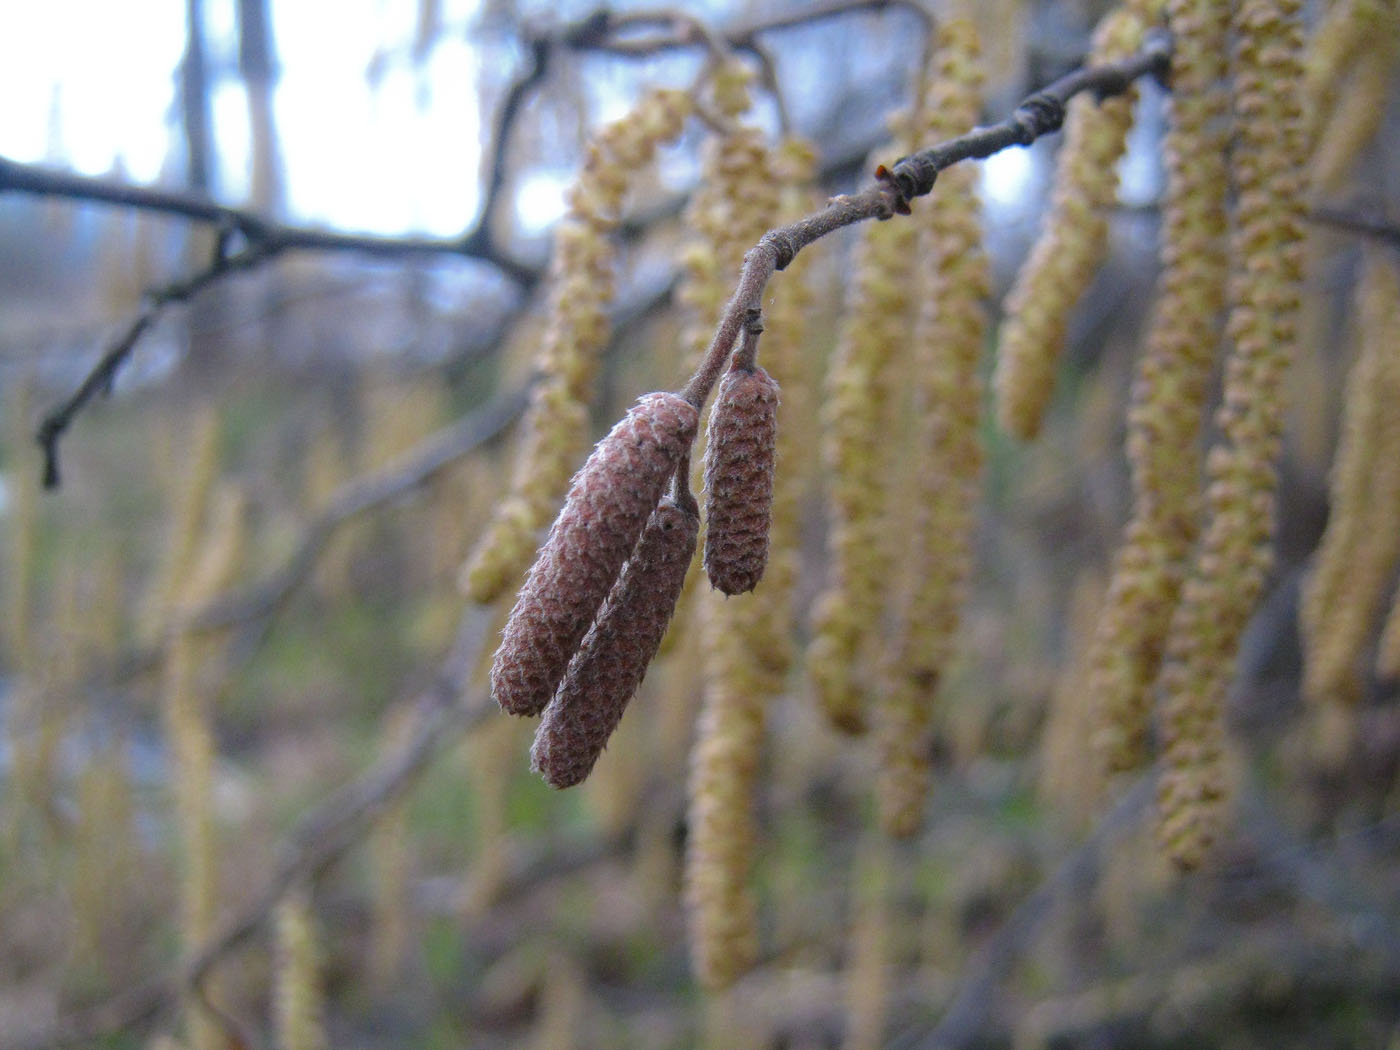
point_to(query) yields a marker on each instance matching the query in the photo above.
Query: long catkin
(1229, 568)
(949, 335)
(581, 283)
(1169, 393)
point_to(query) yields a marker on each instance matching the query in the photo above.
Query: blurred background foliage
(481, 908)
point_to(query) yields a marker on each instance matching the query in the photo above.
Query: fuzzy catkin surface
(609, 503)
(739, 461)
(1233, 557)
(610, 664)
(1169, 394)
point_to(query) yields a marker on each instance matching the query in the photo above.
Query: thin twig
(909, 177)
(1367, 226)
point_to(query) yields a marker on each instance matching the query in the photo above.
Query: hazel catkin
(739, 460)
(609, 666)
(608, 504)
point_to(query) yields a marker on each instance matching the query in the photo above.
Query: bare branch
(910, 177)
(1367, 226)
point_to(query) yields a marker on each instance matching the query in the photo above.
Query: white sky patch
(539, 202)
(111, 65)
(1006, 178)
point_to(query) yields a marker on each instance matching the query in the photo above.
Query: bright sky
(92, 86)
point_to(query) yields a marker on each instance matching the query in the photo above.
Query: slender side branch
(1366, 226)
(910, 177)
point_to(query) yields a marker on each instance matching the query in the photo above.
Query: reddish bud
(608, 504)
(609, 666)
(739, 479)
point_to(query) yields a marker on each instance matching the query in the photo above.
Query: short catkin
(1071, 245)
(739, 463)
(608, 505)
(609, 666)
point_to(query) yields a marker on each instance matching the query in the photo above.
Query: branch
(976, 992)
(417, 467)
(1377, 229)
(910, 177)
(322, 838)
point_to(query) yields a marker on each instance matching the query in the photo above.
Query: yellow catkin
(556, 420)
(391, 865)
(869, 965)
(1170, 390)
(104, 854)
(1229, 567)
(191, 498)
(721, 906)
(1350, 65)
(949, 335)
(188, 727)
(298, 999)
(856, 452)
(1071, 244)
(1067, 784)
(1358, 551)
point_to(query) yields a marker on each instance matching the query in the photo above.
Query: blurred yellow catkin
(868, 964)
(1358, 552)
(1167, 411)
(856, 452)
(1071, 244)
(555, 428)
(298, 999)
(1349, 71)
(1229, 567)
(946, 455)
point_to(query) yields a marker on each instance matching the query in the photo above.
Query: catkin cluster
(1071, 245)
(950, 330)
(556, 420)
(609, 502)
(1230, 564)
(1170, 389)
(1359, 549)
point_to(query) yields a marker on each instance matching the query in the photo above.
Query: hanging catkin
(581, 280)
(739, 459)
(947, 454)
(608, 504)
(1169, 392)
(1350, 67)
(1071, 244)
(720, 905)
(1230, 564)
(606, 671)
(298, 998)
(856, 451)
(1358, 552)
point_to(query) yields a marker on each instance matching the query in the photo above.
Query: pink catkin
(609, 666)
(608, 504)
(739, 460)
